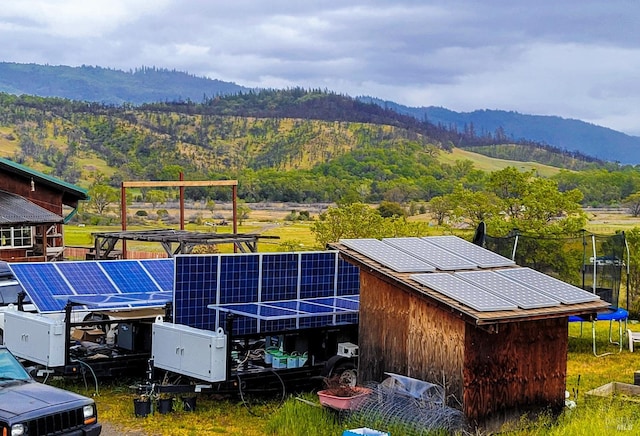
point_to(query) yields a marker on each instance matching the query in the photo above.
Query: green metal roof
(73, 190)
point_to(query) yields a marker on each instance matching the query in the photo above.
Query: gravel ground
(111, 430)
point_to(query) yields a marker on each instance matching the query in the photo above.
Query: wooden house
(32, 213)
(495, 360)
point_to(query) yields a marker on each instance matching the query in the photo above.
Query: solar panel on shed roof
(480, 256)
(523, 296)
(463, 292)
(554, 288)
(439, 257)
(387, 255)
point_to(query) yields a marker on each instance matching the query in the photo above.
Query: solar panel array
(411, 254)
(464, 292)
(480, 256)
(554, 288)
(440, 258)
(387, 255)
(96, 284)
(264, 284)
(517, 293)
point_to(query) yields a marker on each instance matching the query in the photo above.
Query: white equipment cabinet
(34, 337)
(201, 354)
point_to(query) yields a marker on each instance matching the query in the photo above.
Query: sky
(570, 58)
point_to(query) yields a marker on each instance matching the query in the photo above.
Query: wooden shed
(496, 360)
(32, 208)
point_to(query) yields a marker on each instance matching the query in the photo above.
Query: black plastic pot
(189, 404)
(141, 408)
(165, 405)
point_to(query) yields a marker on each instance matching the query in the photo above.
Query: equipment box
(35, 337)
(196, 353)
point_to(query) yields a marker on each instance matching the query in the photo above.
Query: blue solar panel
(131, 300)
(86, 278)
(35, 277)
(129, 276)
(50, 285)
(239, 278)
(162, 271)
(348, 280)
(317, 274)
(279, 277)
(252, 278)
(196, 287)
(291, 309)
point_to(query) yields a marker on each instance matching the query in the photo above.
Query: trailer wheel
(346, 371)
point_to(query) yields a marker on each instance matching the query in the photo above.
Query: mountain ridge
(565, 133)
(152, 85)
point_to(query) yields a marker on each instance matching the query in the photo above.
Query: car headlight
(17, 430)
(88, 411)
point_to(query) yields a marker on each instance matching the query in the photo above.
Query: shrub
(142, 213)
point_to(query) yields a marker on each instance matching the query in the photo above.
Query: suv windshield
(10, 368)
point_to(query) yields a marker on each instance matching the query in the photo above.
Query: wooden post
(181, 201)
(123, 208)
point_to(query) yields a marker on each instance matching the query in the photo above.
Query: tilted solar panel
(552, 287)
(442, 259)
(480, 256)
(523, 296)
(387, 255)
(464, 292)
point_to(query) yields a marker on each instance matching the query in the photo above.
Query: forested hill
(103, 85)
(561, 133)
(275, 143)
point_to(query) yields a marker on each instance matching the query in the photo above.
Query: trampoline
(613, 314)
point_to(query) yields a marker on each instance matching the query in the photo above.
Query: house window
(16, 237)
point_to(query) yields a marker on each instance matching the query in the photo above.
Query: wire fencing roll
(393, 408)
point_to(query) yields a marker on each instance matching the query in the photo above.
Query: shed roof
(71, 191)
(16, 210)
(404, 280)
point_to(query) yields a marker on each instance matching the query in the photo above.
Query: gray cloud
(575, 59)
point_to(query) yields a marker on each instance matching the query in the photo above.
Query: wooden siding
(402, 333)
(521, 367)
(44, 196)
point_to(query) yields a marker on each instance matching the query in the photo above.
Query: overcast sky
(572, 58)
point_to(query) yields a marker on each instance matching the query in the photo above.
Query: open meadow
(215, 415)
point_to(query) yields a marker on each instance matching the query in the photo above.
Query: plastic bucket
(268, 354)
(141, 408)
(279, 361)
(189, 404)
(302, 359)
(292, 360)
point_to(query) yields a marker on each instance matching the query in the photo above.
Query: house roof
(451, 301)
(74, 192)
(17, 210)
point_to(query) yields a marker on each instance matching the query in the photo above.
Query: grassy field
(486, 163)
(229, 416)
(592, 415)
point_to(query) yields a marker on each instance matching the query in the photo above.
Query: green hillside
(293, 146)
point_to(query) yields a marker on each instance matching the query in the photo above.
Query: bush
(162, 213)
(142, 213)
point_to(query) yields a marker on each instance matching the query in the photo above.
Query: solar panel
(266, 280)
(480, 256)
(50, 285)
(129, 276)
(86, 278)
(463, 292)
(524, 297)
(131, 300)
(162, 271)
(552, 287)
(439, 257)
(387, 255)
(42, 282)
(291, 309)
